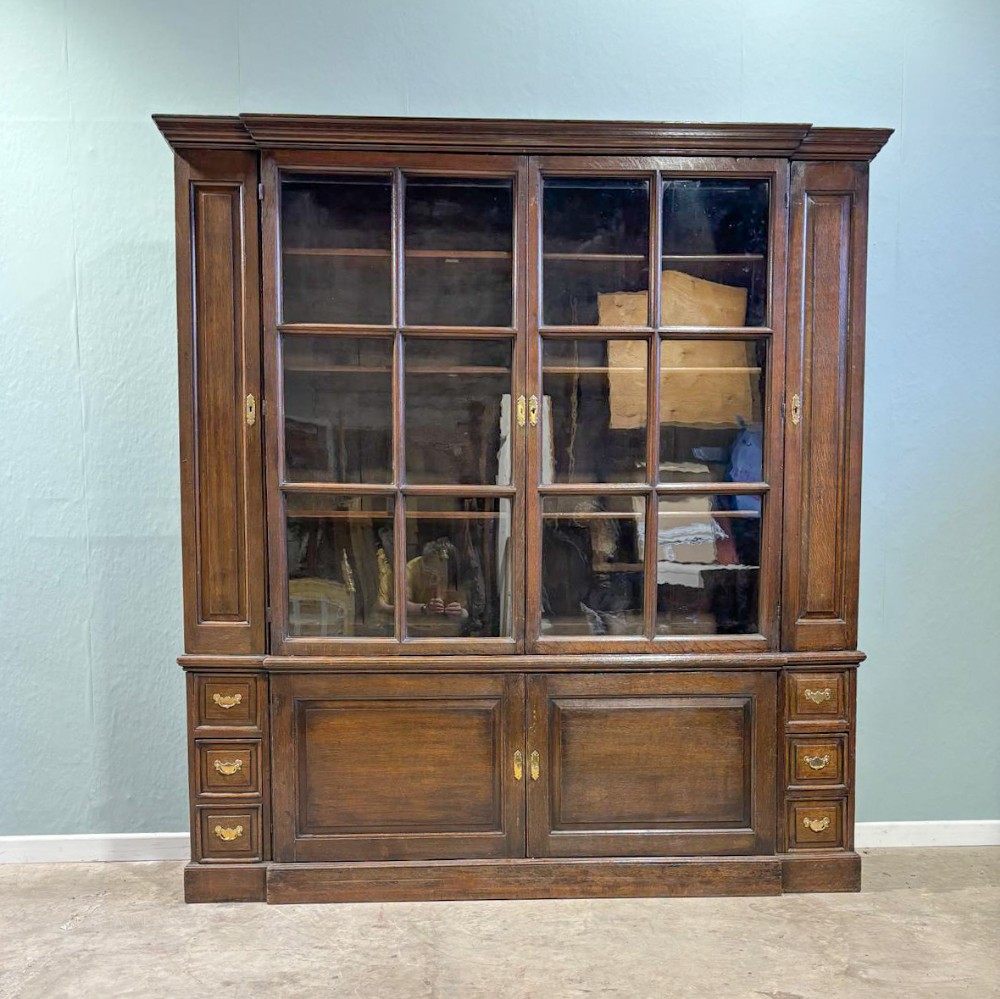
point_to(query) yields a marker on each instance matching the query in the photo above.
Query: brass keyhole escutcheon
(518, 765)
(533, 410)
(533, 767)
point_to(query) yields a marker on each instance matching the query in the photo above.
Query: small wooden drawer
(227, 834)
(814, 761)
(816, 825)
(226, 768)
(227, 702)
(817, 697)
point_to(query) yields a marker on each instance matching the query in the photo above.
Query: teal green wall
(91, 703)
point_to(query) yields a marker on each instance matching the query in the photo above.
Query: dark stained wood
(817, 699)
(232, 883)
(264, 131)
(617, 878)
(816, 761)
(392, 767)
(227, 768)
(667, 765)
(219, 366)
(227, 832)
(829, 872)
(816, 824)
(826, 314)
(607, 661)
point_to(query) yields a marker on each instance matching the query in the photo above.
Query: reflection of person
(431, 583)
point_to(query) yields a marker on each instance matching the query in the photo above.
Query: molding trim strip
(98, 847)
(91, 847)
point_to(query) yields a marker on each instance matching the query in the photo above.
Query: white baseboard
(959, 832)
(93, 847)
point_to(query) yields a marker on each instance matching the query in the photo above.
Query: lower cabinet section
(382, 767)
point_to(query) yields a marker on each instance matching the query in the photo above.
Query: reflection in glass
(338, 551)
(459, 554)
(594, 410)
(458, 411)
(459, 251)
(336, 248)
(711, 410)
(338, 409)
(714, 252)
(707, 565)
(592, 568)
(595, 235)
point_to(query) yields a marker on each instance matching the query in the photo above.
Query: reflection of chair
(320, 607)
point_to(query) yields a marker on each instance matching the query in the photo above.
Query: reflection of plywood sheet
(698, 397)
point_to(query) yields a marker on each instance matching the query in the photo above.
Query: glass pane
(336, 240)
(711, 410)
(338, 409)
(714, 252)
(459, 251)
(458, 411)
(459, 565)
(592, 565)
(339, 552)
(594, 410)
(595, 246)
(707, 565)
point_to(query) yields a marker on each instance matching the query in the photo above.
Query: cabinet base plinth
(511, 879)
(454, 880)
(225, 883)
(817, 872)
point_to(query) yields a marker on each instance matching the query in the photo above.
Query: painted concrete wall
(91, 705)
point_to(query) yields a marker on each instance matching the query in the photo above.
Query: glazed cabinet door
(381, 767)
(642, 765)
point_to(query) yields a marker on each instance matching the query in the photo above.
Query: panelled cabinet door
(668, 765)
(826, 314)
(219, 378)
(381, 767)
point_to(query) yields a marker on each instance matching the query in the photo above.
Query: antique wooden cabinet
(520, 472)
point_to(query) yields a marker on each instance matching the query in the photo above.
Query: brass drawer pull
(518, 765)
(816, 825)
(228, 833)
(228, 769)
(533, 764)
(818, 696)
(817, 762)
(227, 701)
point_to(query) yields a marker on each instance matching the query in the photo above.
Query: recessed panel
(402, 766)
(651, 763)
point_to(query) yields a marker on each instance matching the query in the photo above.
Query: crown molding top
(265, 131)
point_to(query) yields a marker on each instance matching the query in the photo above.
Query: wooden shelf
(571, 370)
(715, 257)
(321, 368)
(598, 257)
(324, 251)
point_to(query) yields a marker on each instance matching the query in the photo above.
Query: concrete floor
(926, 925)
